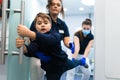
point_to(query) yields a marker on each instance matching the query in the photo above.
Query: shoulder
(90, 36)
(62, 22)
(56, 36)
(77, 33)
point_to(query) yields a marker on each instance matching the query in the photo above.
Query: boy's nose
(43, 25)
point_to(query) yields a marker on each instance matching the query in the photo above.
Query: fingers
(19, 29)
(22, 30)
(19, 42)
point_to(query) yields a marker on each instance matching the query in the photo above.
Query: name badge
(61, 31)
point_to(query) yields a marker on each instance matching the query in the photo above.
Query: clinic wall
(99, 40)
(31, 9)
(106, 17)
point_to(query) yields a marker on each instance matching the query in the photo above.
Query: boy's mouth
(43, 29)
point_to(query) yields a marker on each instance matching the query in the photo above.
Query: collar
(58, 20)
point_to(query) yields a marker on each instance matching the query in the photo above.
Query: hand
(19, 42)
(83, 61)
(72, 47)
(42, 57)
(23, 31)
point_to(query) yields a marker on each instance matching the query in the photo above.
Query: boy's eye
(46, 22)
(39, 23)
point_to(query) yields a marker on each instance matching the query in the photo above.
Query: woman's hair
(49, 4)
(87, 22)
(43, 16)
(80, 34)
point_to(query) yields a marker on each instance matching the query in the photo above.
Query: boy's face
(43, 25)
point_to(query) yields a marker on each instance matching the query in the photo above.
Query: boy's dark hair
(43, 16)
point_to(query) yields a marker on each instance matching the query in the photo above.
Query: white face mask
(85, 32)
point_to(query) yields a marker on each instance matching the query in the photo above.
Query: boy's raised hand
(23, 31)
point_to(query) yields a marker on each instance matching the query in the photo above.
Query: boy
(49, 43)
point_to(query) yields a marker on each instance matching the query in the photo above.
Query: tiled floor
(77, 77)
(2, 72)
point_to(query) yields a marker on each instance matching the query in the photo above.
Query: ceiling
(73, 6)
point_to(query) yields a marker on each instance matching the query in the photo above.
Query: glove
(83, 61)
(42, 56)
(73, 59)
(72, 47)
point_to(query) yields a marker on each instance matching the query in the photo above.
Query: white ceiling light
(81, 8)
(88, 2)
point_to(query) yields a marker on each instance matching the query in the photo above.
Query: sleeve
(48, 39)
(66, 31)
(32, 48)
(77, 35)
(90, 37)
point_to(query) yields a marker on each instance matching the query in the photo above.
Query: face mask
(86, 32)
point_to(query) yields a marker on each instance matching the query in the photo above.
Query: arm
(87, 50)
(66, 41)
(27, 50)
(25, 32)
(77, 46)
(48, 39)
(31, 48)
(66, 38)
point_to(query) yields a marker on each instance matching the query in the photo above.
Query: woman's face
(55, 7)
(86, 27)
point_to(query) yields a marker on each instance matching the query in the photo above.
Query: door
(107, 41)
(16, 64)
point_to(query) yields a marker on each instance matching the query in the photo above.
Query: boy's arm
(31, 49)
(47, 39)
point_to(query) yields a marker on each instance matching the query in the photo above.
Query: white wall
(32, 8)
(107, 18)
